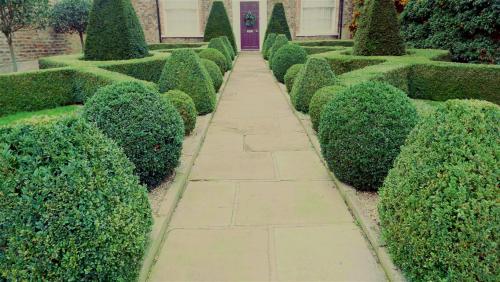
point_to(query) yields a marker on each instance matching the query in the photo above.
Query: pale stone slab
(222, 141)
(249, 126)
(293, 141)
(289, 202)
(290, 124)
(233, 166)
(205, 204)
(326, 253)
(214, 255)
(300, 165)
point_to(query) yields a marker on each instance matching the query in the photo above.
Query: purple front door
(249, 22)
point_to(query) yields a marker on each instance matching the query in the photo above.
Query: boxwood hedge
(184, 71)
(71, 208)
(214, 72)
(319, 101)
(218, 24)
(291, 74)
(439, 204)
(185, 106)
(278, 23)
(149, 130)
(232, 51)
(216, 56)
(268, 43)
(287, 56)
(361, 131)
(218, 44)
(280, 41)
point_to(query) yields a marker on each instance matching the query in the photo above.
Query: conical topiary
(315, 75)
(378, 33)
(218, 44)
(280, 41)
(229, 47)
(114, 32)
(268, 43)
(278, 24)
(218, 24)
(184, 71)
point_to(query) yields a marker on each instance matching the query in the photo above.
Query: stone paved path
(260, 205)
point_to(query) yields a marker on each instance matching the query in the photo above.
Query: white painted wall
(262, 20)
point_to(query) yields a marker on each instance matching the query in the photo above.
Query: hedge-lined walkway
(260, 205)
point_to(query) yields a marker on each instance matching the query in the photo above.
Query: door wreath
(250, 19)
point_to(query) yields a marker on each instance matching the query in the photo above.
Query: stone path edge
(392, 273)
(175, 192)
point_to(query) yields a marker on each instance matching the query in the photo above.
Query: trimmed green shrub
(149, 130)
(287, 56)
(218, 24)
(268, 43)
(214, 72)
(439, 204)
(278, 23)
(71, 208)
(378, 32)
(215, 56)
(229, 47)
(148, 69)
(280, 41)
(291, 74)
(184, 71)
(176, 45)
(326, 43)
(319, 101)
(218, 44)
(361, 132)
(185, 106)
(114, 32)
(315, 75)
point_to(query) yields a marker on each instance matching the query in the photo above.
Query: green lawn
(39, 116)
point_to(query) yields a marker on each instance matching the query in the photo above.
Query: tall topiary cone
(378, 33)
(278, 24)
(114, 32)
(218, 24)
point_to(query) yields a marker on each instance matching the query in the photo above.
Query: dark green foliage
(215, 56)
(439, 204)
(214, 72)
(268, 43)
(325, 43)
(232, 52)
(218, 24)
(287, 56)
(319, 101)
(319, 49)
(378, 33)
(315, 75)
(168, 46)
(114, 32)
(148, 69)
(469, 29)
(71, 16)
(71, 208)
(149, 130)
(280, 41)
(278, 23)
(348, 64)
(185, 106)
(218, 44)
(291, 74)
(184, 71)
(361, 132)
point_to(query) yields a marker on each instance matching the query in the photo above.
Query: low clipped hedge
(148, 69)
(218, 44)
(315, 75)
(319, 101)
(184, 71)
(439, 204)
(361, 131)
(285, 57)
(149, 130)
(291, 74)
(176, 45)
(268, 43)
(280, 41)
(186, 108)
(216, 56)
(72, 209)
(214, 72)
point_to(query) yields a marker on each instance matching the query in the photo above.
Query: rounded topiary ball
(185, 106)
(71, 207)
(291, 74)
(216, 56)
(361, 132)
(149, 129)
(439, 205)
(214, 73)
(287, 56)
(319, 101)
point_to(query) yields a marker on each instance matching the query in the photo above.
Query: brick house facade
(153, 14)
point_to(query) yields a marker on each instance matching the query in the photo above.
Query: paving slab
(292, 141)
(300, 165)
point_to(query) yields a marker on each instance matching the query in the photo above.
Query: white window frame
(169, 33)
(334, 24)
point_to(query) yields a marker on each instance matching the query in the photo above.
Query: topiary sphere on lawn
(215, 56)
(361, 132)
(291, 74)
(285, 57)
(319, 101)
(214, 72)
(439, 205)
(71, 207)
(185, 106)
(149, 130)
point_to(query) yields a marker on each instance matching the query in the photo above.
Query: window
(318, 17)
(182, 18)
